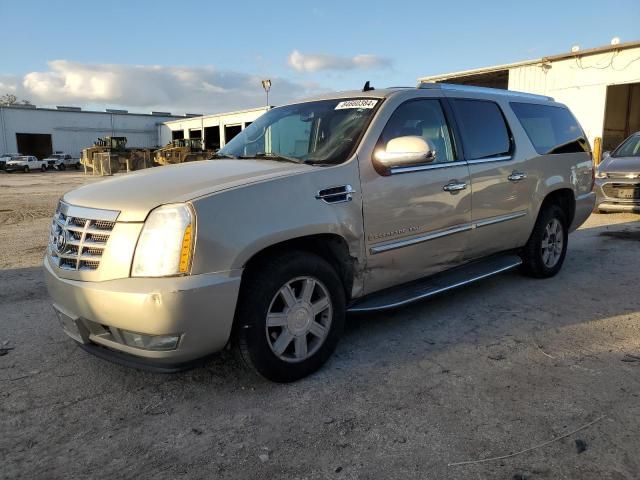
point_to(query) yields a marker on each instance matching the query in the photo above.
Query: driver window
(423, 118)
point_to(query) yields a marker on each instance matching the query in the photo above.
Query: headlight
(166, 243)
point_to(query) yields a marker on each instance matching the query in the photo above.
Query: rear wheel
(290, 316)
(43, 167)
(544, 253)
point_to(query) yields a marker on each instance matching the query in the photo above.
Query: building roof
(551, 58)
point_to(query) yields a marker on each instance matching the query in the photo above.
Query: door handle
(517, 176)
(454, 186)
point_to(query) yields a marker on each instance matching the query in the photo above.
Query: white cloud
(146, 88)
(313, 62)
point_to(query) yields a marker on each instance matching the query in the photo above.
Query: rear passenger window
(551, 129)
(484, 131)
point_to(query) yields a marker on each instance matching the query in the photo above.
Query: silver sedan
(618, 178)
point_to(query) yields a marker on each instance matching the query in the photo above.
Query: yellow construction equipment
(109, 155)
(180, 151)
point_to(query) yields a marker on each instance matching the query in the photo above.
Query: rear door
(501, 184)
(416, 223)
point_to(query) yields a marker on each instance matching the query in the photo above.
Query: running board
(427, 287)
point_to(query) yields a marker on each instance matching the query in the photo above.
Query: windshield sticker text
(360, 103)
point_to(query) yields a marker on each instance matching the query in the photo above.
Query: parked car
(618, 178)
(352, 202)
(62, 161)
(25, 164)
(5, 157)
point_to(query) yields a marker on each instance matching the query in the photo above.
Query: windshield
(326, 131)
(630, 148)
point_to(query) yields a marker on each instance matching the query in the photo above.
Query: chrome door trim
(465, 227)
(432, 166)
(423, 238)
(490, 160)
(499, 219)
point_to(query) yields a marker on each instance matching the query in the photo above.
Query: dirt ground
(489, 370)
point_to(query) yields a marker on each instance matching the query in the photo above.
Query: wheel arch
(565, 199)
(333, 248)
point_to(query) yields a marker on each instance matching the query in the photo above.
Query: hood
(620, 165)
(135, 194)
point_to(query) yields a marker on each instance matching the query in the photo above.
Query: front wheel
(62, 167)
(43, 168)
(26, 169)
(290, 316)
(544, 253)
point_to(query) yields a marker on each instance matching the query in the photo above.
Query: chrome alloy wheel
(299, 319)
(552, 243)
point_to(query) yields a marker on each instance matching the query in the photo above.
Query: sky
(187, 56)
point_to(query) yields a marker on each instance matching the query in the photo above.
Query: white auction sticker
(359, 103)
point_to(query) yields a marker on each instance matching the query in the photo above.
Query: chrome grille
(78, 242)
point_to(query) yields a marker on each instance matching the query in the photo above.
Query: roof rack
(470, 88)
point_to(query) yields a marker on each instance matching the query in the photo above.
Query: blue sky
(209, 56)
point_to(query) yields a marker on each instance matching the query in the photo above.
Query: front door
(417, 220)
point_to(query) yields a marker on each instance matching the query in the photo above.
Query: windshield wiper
(222, 155)
(273, 156)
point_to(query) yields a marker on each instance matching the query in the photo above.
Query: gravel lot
(488, 370)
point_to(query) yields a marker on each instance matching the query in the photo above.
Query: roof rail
(470, 88)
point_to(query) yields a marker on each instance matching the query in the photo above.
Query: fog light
(150, 342)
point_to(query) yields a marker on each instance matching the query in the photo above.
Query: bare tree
(10, 99)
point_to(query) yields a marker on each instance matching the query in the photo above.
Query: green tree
(10, 99)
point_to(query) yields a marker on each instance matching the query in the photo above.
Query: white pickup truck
(62, 161)
(25, 163)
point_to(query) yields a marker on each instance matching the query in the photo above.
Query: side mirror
(403, 152)
(606, 154)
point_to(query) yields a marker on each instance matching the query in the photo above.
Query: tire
(77, 165)
(539, 259)
(292, 346)
(43, 167)
(62, 167)
(26, 169)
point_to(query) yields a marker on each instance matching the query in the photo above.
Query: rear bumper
(584, 207)
(199, 309)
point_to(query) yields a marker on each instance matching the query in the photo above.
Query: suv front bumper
(199, 309)
(609, 199)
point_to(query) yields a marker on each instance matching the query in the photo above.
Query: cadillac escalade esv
(352, 202)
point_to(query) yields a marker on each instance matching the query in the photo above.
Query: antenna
(367, 87)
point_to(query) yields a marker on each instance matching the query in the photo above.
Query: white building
(41, 131)
(215, 130)
(601, 86)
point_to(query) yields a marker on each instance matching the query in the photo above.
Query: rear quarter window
(485, 133)
(551, 129)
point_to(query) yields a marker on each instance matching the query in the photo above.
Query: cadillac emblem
(61, 241)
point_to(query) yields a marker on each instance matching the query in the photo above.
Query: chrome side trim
(443, 233)
(490, 160)
(499, 219)
(423, 238)
(89, 213)
(432, 166)
(437, 291)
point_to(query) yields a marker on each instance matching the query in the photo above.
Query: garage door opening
(177, 134)
(37, 144)
(497, 79)
(195, 133)
(231, 131)
(212, 138)
(621, 119)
